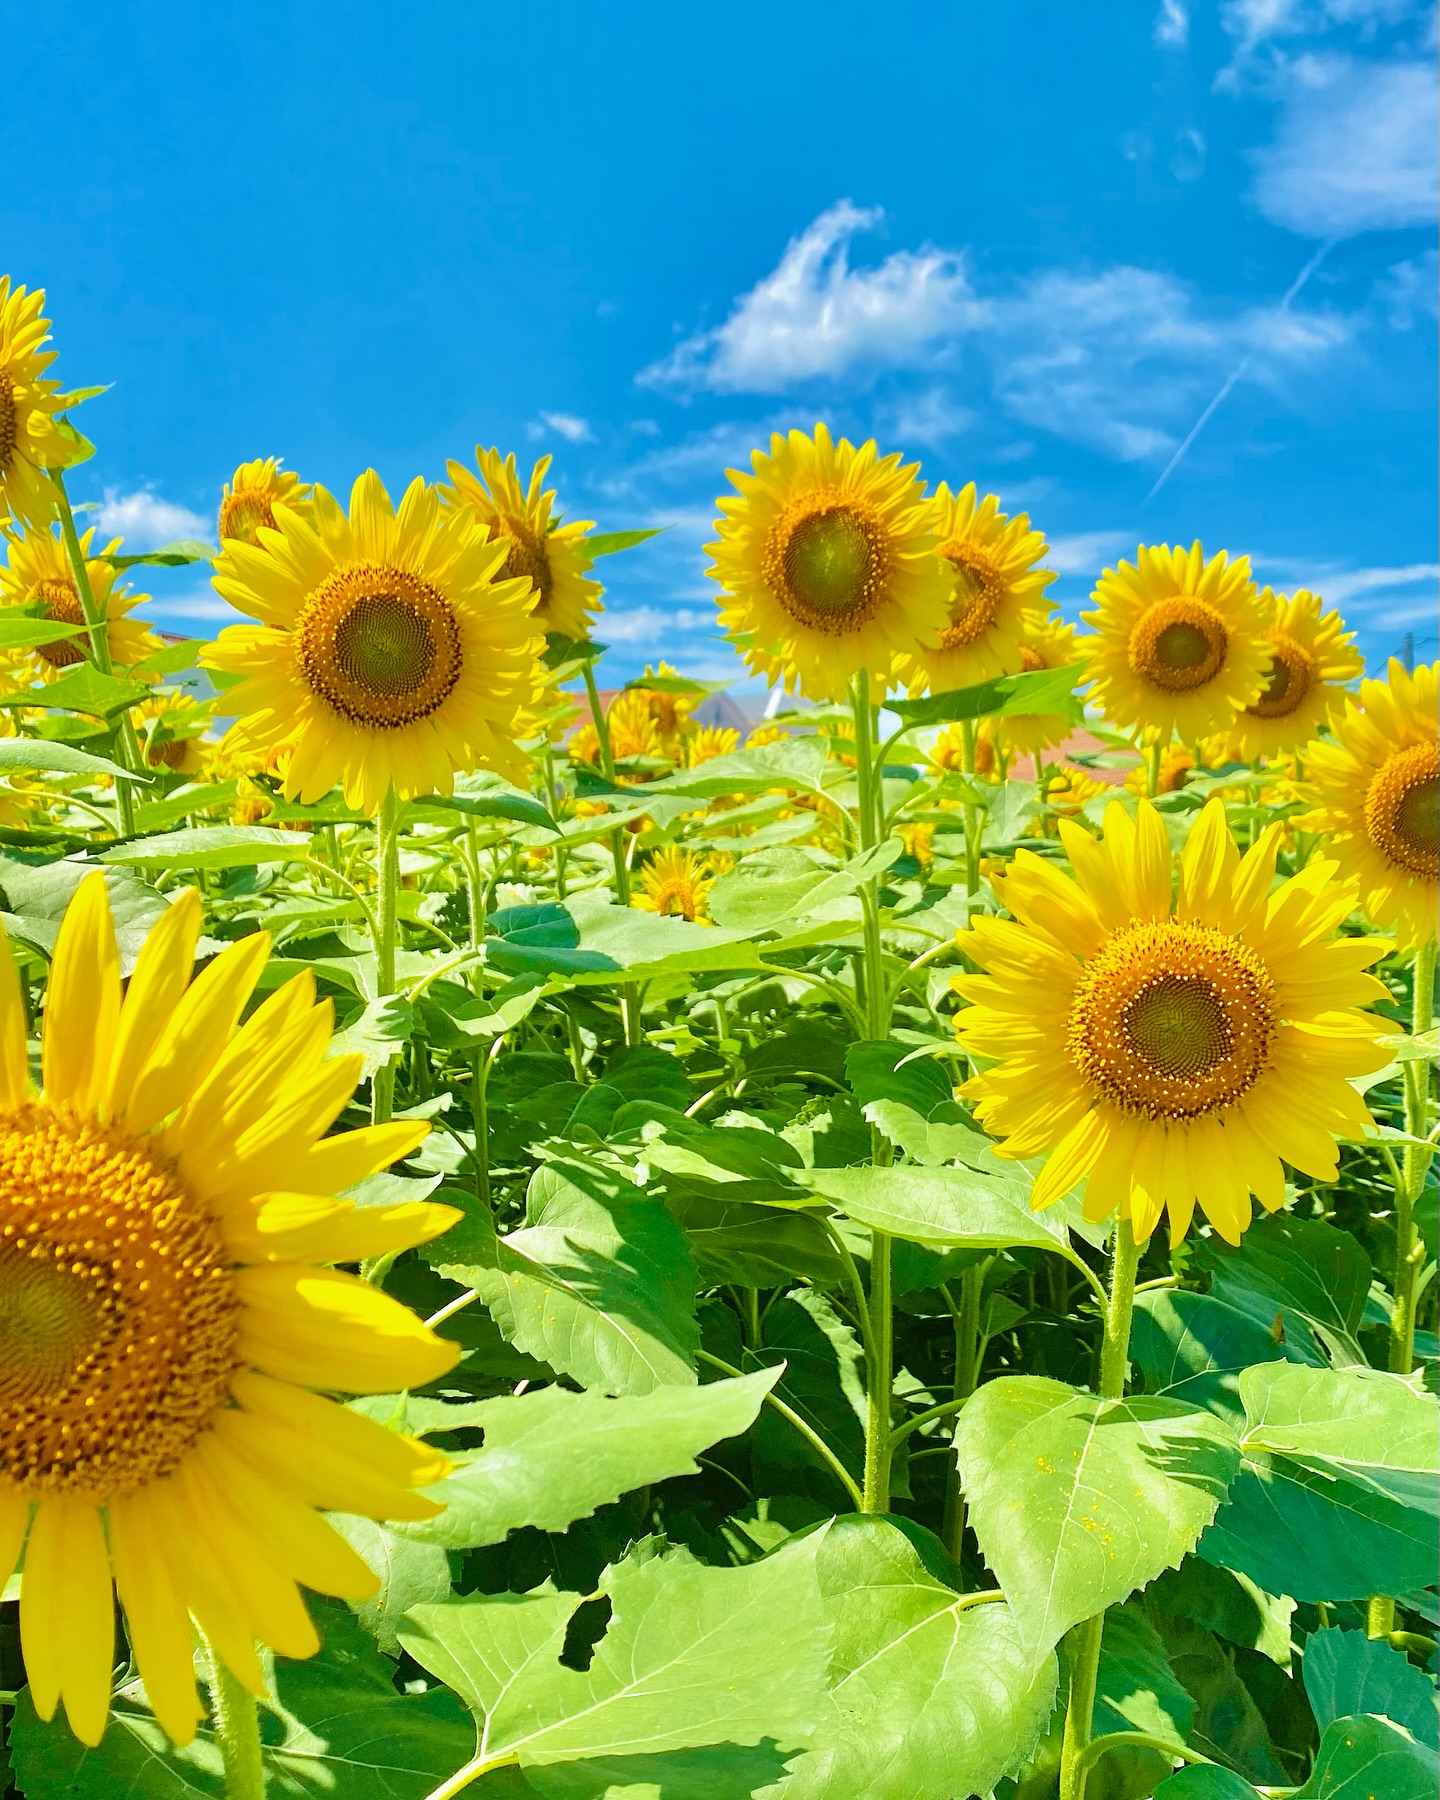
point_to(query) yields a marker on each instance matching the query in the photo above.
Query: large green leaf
(593, 942)
(598, 1283)
(1226, 1722)
(55, 758)
(933, 1697)
(1078, 1501)
(411, 1574)
(1036, 691)
(36, 898)
(1363, 1426)
(83, 689)
(961, 1209)
(553, 1456)
(776, 887)
(1206, 1781)
(335, 1729)
(1298, 1277)
(1232, 1606)
(23, 631)
(824, 1381)
(1347, 1672)
(1194, 1347)
(1366, 1758)
(691, 1656)
(212, 847)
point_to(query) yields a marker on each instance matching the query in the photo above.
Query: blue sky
(1027, 243)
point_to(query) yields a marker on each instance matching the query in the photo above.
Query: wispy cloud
(145, 521)
(1409, 290)
(1354, 148)
(201, 605)
(814, 315)
(569, 426)
(1087, 552)
(1172, 25)
(649, 624)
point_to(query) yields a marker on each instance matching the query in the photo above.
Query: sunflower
(172, 728)
(632, 730)
(1179, 642)
(38, 576)
(997, 595)
(552, 556)
(166, 1310)
(1312, 657)
(1203, 1040)
(250, 498)
(676, 884)
(1377, 787)
(1177, 765)
(827, 560)
(31, 439)
(703, 743)
(1069, 789)
(671, 712)
(1049, 646)
(394, 650)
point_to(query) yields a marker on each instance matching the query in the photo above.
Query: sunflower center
(118, 1320)
(1402, 811)
(975, 599)
(527, 556)
(1029, 660)
(242, 513)
(1179, 644)
(1172, 1020)
(825, 562)
(379, 645)
(9, 421)
(62, 604)
(1289, 681)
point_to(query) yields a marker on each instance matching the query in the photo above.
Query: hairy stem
(237, 1728)
(387, 881)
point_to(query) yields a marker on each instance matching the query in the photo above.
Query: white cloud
(814, 316)
(929, 417)
(201, 605)
(1409, 290)
(145, 521)
(646, 624)
(1253, 23)
(1347, 586)
(569, 426)
(1172, 25)
(1087, 552)
(1354, 149)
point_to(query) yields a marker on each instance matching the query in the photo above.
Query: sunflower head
(38, 577)
(826, 561)
(167, 1224)
(997, 594)
(551, 556)
(1177, 765)
(1167, 1044)
(394, 649)
(251, 496)
(1178, 646)
(1312, 659)
(703, 743)
(32, 439)
(676, 884)
(172, 728)
(1376, 788)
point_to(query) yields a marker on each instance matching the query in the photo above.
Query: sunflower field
(553, 1248)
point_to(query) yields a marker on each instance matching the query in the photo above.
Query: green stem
(619, 851)
(387, 879)
(967, 1375)
(1084, 1641)
(473, 1770)
(811, 1437)
(970, 810)
(237, 1728)
(1137, 1740)
(1154, 756)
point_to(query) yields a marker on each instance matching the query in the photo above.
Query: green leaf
(592, 941)
(1226, 1723)
(21, 631)
(608, 543)
(794, 763)
(1078, 1501)
(1036, 691)
(169, 556)
(58, 758)
(1347, 1672)
(488, 798)
(598, 1283)
(173, 659)
(1363, 1426)
(335, 1730)
(691, 1656)
(775, 887)
(889, 1071)
(942, 1137)
(1368, 1759)
(931, 1697)
(36, 898)
(213, 847)
(1206, 1781)
(411, 1574)
(1194, 1347)
(552, 1456)
(942, 1208)
(1308, 1273)
(1230, 1605)
(376, 1033)
(824, 1381)
(83, 689)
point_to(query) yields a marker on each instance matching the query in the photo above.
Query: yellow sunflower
(172, 729)
(1179, 643)
(250, 497)
(997, 594)
(31, 440)
(394, 649)
(827, 560)
(703, 743)
(552, 556)
(1204, 1038)
(676, 884)
(166, 1311)
(1377, 787)
(1177, 765)
(38, 576)
(1050, 646)
(1312, 657)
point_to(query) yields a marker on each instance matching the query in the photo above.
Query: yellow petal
(1071, 1161)
(156, 1616)
(328, 1167)
(319, 1328)
(1152, 864)
(315, 1228)
(67, 1615)
(82, 1003)
(206, 1588)
(161, 971)
(266, 1598)
(1207, 868)
(14, 1517)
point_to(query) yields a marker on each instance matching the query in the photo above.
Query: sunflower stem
(971, 812)
(96, 624)
(966, 1317)
(1084, 1641)
(237, 1728)
(1154, 757)
(387, 881)
(629, 998)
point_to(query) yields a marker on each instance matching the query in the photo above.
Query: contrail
(1238, 371)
